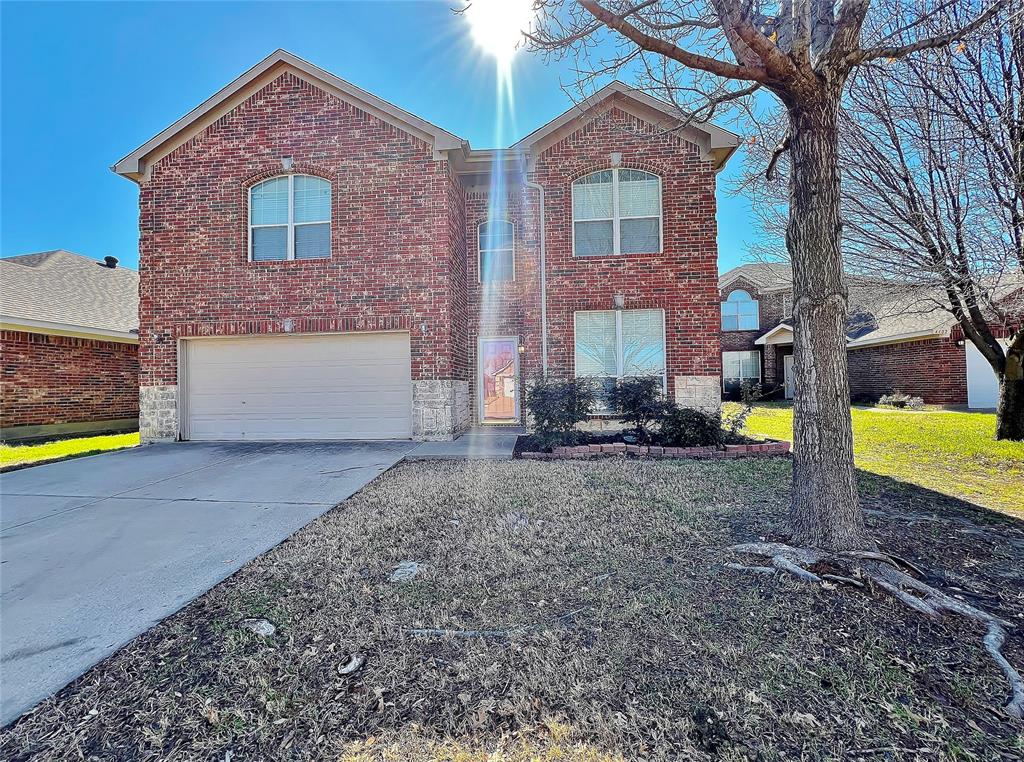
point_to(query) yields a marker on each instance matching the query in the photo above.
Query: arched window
(290, 218)
(496, 244)
(616, 211)
(739, 312)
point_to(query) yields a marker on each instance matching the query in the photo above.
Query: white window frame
(618, 343)
(742, 378)
(291, 224)
(615, 218)
(480, 251)
(750, 298)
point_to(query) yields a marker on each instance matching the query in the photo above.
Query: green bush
(640, 402)
(686, 427)
(556, 407)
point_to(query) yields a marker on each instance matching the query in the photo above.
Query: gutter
(543, 281)
(50, 328)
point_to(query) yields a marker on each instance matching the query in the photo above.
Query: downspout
(543, 281)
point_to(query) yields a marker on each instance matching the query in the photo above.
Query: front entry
(499, 380)
(787, 368)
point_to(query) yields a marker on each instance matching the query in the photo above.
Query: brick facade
(773, 308)
(404, 249)
(56, 380)
(935, 370)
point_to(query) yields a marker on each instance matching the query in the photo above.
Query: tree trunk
(1010, 408)
(825, 512)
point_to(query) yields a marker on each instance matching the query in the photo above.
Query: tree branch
(926, 43)
(663, 47)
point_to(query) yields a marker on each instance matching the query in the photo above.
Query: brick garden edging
(621, 448)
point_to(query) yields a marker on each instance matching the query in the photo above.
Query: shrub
(686, 427)
(749, 394)
(640, 402)
(900, 400)
(556, 406)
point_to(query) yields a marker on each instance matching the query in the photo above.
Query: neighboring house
(895, 341)
(318, 263)
(69, 359)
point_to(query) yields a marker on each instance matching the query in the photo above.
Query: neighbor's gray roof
(765, 275)
(62, 287)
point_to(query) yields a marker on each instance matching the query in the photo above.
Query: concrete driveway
(97, 550)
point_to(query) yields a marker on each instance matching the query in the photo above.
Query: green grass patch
(59, 449)
(950, 452)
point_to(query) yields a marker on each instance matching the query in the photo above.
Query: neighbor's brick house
(897, 341)
(68, 346)
(317, 263)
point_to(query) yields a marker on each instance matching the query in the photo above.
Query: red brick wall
(59, 379)
(682, 279)
(392, 239)
(934, 370)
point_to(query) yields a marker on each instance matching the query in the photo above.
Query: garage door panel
(352, 386)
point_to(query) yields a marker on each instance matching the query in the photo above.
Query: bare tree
(707, 55)
(934, 192)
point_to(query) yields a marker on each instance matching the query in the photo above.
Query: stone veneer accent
(158, 413)
(699, 392)
(440, 409)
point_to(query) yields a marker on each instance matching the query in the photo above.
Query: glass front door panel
(498, 379)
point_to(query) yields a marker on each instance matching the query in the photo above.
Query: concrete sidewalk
(479, 443)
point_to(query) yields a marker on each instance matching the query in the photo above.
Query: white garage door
(350, 386)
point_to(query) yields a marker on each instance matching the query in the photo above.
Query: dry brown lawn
(615, 633)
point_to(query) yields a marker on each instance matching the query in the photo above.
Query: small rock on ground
(259, 626)
(404, 572)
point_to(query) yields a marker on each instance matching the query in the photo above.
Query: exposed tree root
(897, 577)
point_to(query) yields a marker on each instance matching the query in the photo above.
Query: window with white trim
(290, 218)
(739, 368)
(616, 211)
(496, 244)
(614, 344)
(740, 312)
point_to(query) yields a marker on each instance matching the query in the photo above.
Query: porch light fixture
(619, 301)
(522, 349)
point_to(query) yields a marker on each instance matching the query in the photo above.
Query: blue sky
(85, 83)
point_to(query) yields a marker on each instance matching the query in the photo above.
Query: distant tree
(932, 163)
(710, 55)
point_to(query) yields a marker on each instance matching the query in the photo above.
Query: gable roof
(62, 292)
(717, 143)
(767, 276)
(259, 76)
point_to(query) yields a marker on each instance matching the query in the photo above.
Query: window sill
(619, 256)
(264, 262)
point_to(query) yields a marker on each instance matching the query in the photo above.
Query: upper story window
(290, 218)
(616, 211)
(739, 312)
(496, 244)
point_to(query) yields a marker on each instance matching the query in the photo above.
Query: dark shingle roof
(62, 287)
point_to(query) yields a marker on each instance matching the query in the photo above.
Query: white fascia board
(9, 323)
(133, 165)
(716, 142)
(897, 338)
(780, 328)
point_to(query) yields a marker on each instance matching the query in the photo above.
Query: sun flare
(497, 25)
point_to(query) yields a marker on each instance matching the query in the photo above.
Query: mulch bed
(584, 613)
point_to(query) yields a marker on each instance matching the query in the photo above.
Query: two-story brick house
(316, 263)
(897, 340)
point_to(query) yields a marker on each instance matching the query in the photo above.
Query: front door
(787, 369)
(499, 380)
